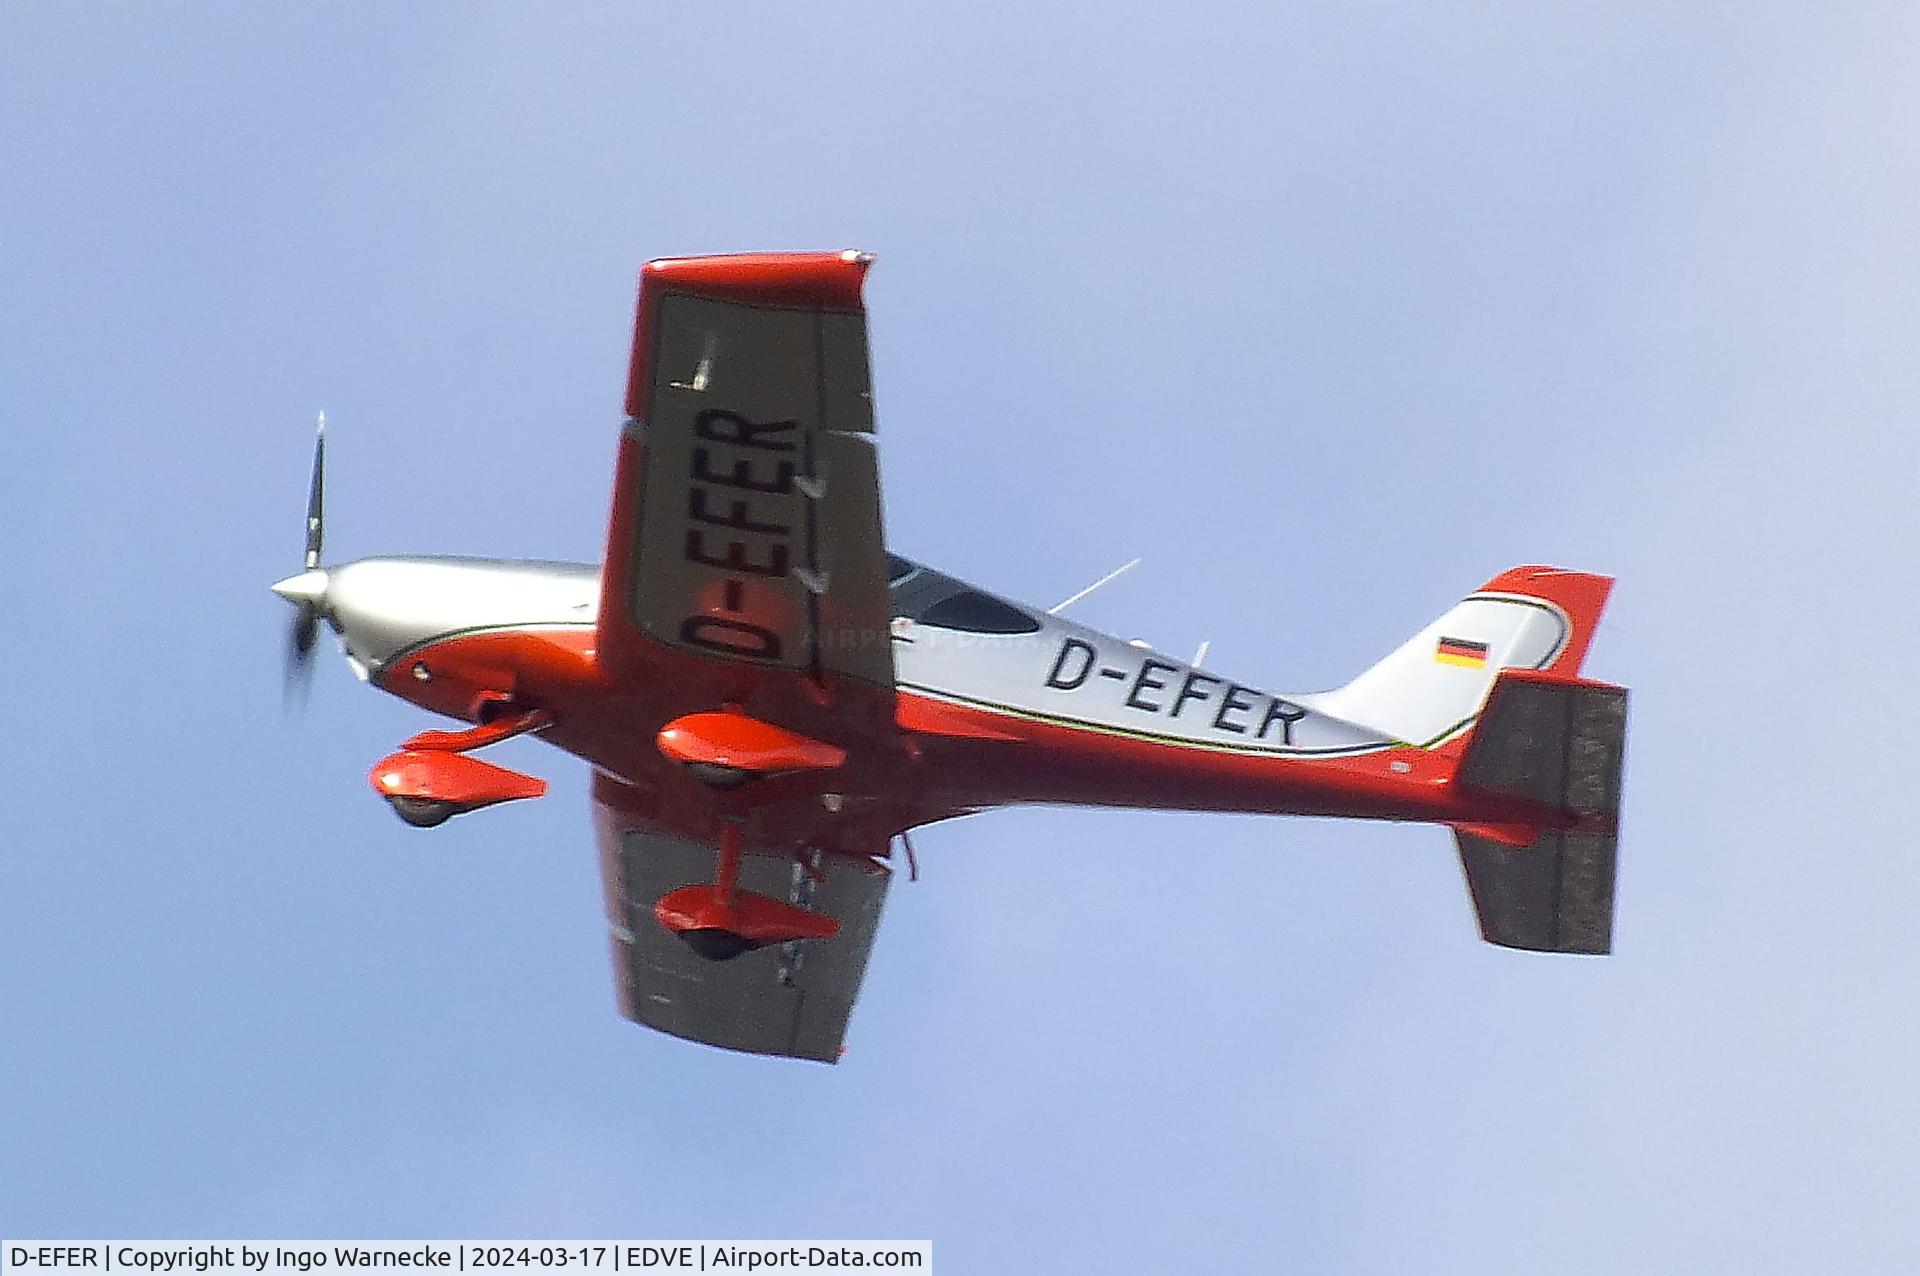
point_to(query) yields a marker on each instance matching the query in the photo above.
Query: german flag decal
(1461, 652)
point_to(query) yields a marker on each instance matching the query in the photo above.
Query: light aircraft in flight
(770, 699)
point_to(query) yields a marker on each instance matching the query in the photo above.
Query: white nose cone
(307, 587)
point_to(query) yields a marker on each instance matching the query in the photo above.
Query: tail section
(1432, 687)
(1496, 680)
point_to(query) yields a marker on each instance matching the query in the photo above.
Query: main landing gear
(727, 748)
(718, 775)
(724, 750)
(720, 921)
(423, 813)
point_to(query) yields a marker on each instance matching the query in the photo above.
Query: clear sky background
(1330, 313)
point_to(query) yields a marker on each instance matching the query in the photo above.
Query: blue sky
(1329, 313)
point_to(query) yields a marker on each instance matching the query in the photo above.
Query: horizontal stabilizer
(1555, 896)
(1551, 741)
(1554, 742)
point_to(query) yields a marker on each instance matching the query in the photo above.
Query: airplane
(771, 699)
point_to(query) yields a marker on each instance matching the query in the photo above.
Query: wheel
(715, 944)
(716, 775)
(423, 813)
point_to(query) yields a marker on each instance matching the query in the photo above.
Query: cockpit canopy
(928, 597)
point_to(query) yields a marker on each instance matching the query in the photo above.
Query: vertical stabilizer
(1430, 689)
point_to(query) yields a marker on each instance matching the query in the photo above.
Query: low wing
(746, 566)
(746, 517)
(777, 1001)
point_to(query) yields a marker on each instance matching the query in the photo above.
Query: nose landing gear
(432, 779)
(422, 813)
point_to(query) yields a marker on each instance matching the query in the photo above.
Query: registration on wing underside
(759, 533)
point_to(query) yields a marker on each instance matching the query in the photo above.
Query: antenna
(1201, 655)
(1059, 607)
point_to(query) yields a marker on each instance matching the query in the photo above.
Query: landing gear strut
(720, 921)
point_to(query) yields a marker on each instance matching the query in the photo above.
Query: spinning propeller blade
(308, 591)
(316, 504)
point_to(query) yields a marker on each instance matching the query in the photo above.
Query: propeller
(308, 591)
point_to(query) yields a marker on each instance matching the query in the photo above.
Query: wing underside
(790, 1000)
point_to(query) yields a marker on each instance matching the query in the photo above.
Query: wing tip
(831, 280)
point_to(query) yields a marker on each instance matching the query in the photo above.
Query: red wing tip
(848, 256)
(828, 279)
